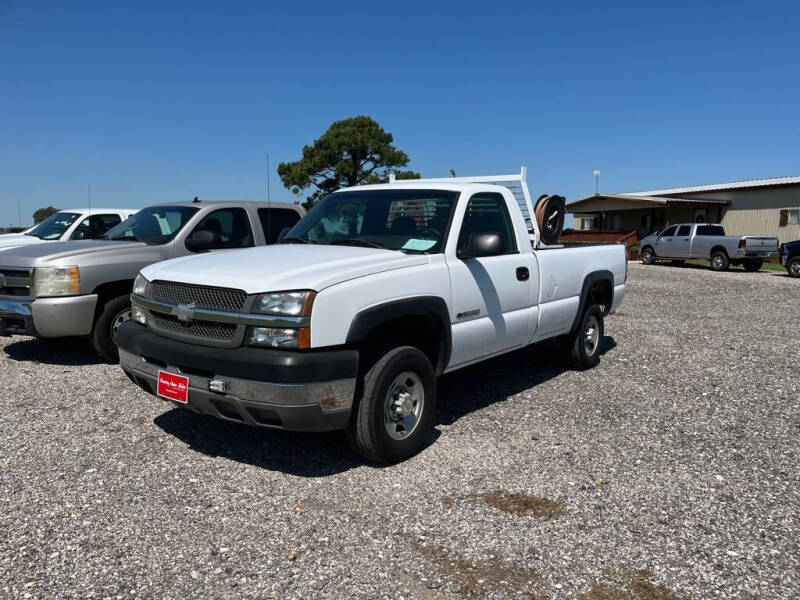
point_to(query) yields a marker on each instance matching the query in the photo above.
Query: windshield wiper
(357, 242)
(296, 240)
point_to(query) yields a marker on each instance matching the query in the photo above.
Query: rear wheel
(648, 256)
(104, 335)
(752, 265)
(793, 268)
(719, 261)
(395, 414)
(582, 347)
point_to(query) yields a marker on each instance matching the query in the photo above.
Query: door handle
(523, 274)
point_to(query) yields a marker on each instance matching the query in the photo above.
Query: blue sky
(161, 101)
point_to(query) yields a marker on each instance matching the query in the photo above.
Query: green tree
(42, 213)
(354, 151)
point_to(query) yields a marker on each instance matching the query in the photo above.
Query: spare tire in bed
(549, 213)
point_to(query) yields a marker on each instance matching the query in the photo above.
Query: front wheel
(719, 261)
(793, 268)
(752, 265)
(648, 256)
(394, 416)
(104, 335)
(582, 347)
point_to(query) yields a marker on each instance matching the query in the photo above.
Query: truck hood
(281, 268)
(13, 240)
(64, 253)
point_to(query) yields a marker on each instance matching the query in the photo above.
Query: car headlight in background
(292, 304)
(140, 285)
(57, 281)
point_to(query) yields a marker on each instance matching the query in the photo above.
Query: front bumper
(48, 317)
(296, 391)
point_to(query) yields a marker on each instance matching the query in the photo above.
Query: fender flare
(588, 282)
(421, 306)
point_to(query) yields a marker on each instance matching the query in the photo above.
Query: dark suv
(789, 254)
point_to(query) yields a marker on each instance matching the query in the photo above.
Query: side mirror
(201, 240)
(78, 235)
(483, 244)
(282, 235)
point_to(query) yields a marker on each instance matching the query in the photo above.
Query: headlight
(57, 281)
(140, 285)
(279, 338)
(293, 304)
(138, 314)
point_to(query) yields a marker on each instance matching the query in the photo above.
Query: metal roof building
(752, 207)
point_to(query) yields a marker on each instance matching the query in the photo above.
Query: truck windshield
(153, 225)
(54, 226)
(411, 221)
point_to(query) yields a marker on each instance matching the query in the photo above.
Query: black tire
(719, 261)
(368, 432)
(793, 267)
(678, 262)
(752, 265)
(648, 256)
(578, 353)
(103, 336)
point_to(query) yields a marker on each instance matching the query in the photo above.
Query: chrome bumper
(49, 317)
(316, 406)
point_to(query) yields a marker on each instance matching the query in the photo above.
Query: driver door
(491, 296)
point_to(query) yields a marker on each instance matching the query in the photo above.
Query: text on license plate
(173, 387)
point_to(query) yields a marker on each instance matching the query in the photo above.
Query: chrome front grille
(206, 330)
(16, 281)
(213, 298)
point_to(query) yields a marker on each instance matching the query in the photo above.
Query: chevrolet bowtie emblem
(184, 312)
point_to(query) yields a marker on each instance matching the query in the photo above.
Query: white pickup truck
(375, 292)
(69, 224)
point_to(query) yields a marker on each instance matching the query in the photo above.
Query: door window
(669, 231)
(487, 213)
(684, 230)
(275, 220)
(95, 226)
(230, 228)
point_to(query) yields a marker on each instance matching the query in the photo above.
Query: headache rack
(517, 184)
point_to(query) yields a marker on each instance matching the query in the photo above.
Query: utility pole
(596, 181)
(90, 196)
(19, 211)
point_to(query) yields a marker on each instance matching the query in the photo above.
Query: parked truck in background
(707, 241)
(790, 257)
(69, 224)
(374, 293)
(82, 288)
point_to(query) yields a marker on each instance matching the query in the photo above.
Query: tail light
(742, 243)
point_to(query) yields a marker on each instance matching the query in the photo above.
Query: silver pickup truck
(83, 288)
(708, 242)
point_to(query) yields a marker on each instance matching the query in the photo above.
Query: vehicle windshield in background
(54, 226)
(412, 221)
(153, 225)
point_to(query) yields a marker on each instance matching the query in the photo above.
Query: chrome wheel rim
(121, 317)
(717, 262)
(591, 335)
(403, 407)
(647, 256)
(794, 267)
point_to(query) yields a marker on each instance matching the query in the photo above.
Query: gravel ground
(669, 471)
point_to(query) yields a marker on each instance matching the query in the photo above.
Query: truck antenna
(269, 208)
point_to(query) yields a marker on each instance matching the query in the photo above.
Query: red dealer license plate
(173, 387)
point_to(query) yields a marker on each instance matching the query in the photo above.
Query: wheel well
(720, 249)
(602, 294)
(109, 291)
(425, 332)
(648, 247)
